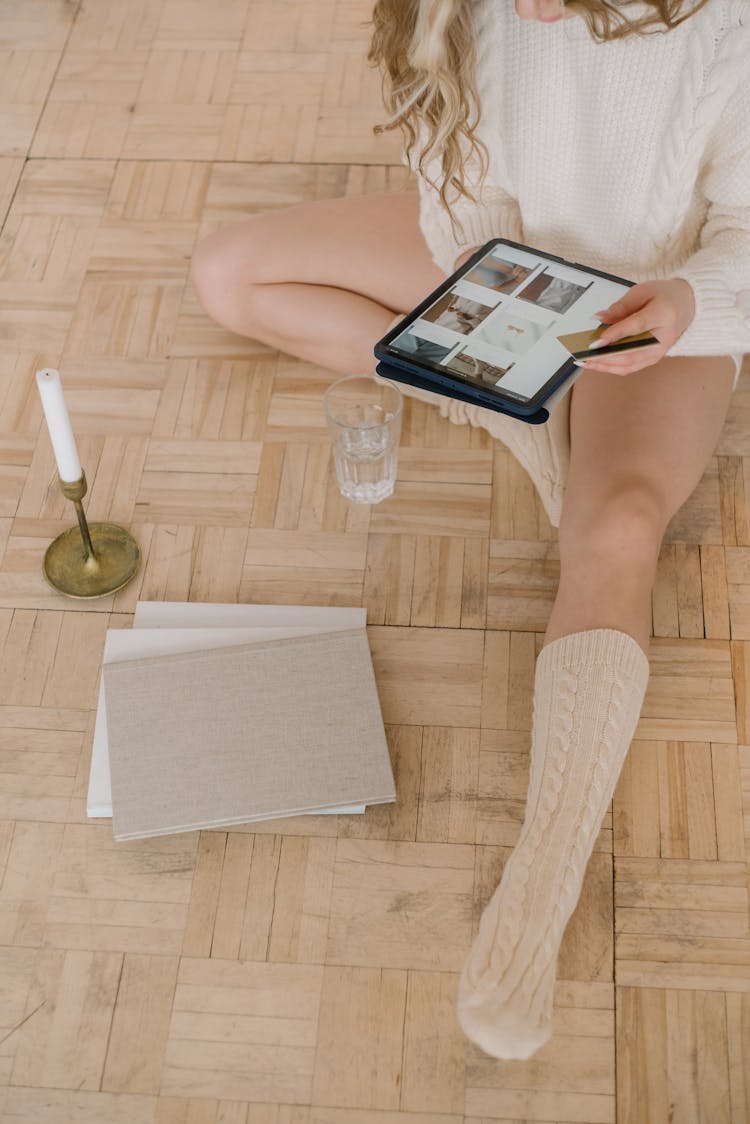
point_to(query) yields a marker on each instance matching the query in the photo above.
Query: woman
(617, 135)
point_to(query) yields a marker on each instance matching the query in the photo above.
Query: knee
(623, 528)
(220, 274)
(211, 271)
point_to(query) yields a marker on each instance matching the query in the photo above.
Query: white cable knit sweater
(632, 156)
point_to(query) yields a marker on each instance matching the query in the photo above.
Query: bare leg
(325, 280)
(320, 280)
(639, 446)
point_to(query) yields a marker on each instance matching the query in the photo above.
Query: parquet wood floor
(304, 972)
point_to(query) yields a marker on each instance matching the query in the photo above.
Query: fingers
(636, 298)
(662, 308)
(640, 304)
(642, 309)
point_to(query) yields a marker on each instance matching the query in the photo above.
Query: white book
(204, 614)
(168, 628)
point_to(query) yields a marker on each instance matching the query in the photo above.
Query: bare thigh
(370, 245)
(653, 431)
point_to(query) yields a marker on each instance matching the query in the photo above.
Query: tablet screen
(498, 326)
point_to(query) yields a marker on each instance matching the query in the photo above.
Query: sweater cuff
(476, 223)
(721, 325)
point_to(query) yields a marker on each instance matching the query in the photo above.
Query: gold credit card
(579, 343)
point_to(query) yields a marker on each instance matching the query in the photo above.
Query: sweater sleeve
(719, 270)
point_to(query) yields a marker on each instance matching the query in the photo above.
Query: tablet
(504, 330)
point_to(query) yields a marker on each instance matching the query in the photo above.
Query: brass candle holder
(90, 561)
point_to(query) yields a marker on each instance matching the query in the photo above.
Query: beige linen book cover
(251, 732)
(163, 627)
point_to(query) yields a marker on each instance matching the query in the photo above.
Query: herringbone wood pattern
(304, 972)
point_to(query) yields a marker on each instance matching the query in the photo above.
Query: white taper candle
(58, 423)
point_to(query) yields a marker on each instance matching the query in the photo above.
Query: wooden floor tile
(738, 586)
(101, 76)
(23, 106)
(691, 898)
(319, 1115)
(243, 1031)
(41, 25)
(434, 1054)
(659, 1032)
(714, 593)
(361, 1033)
(64, 1043)
(694, 703)
(187, 24)
(448, 794)
(50, 1106)
(18, 126)
(140, 1022)
(699, 519)
(17, 974)
(448, 689)
(115, 896)
(66, 186)
(517, 512)
(417, 889)
(680, 800)
(121, 319)
(435, 510)
(389, 578)
(32, 860)
(283, 567)
(733, 441)
(81, 130)
(294, 876)
(744, 758)
(521, 584)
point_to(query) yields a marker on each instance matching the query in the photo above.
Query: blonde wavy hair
(426, 52)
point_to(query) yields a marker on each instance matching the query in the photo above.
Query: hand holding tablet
(509, 330)
(666, 306)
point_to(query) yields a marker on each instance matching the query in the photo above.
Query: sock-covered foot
(588, 693)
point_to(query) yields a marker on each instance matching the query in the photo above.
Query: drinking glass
(363, 415)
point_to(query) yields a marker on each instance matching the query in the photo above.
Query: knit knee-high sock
(542, 450)
(588, 692)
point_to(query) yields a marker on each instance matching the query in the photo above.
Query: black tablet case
(401, 370)
(462, 392)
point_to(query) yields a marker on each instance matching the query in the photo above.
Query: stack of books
(211, 715)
